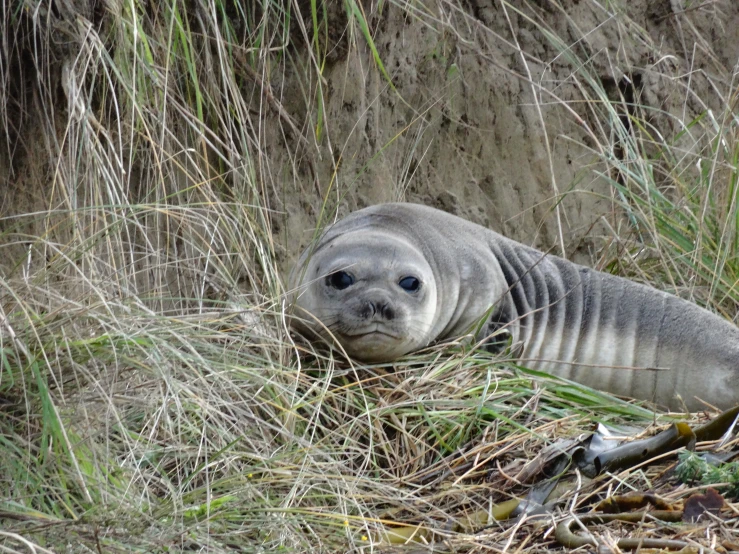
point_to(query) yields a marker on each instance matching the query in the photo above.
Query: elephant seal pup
(393, 278)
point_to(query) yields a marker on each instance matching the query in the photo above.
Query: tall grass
(152, 399)
(682, 198)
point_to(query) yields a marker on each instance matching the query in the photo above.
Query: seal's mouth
(374, 331)
(373, 342)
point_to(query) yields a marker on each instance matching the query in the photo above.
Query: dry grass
(152, 398)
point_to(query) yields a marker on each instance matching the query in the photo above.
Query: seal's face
(375, 295)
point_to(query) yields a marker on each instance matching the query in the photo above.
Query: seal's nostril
(387, 311)
(368, 310)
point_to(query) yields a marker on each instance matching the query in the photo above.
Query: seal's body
(393, 278)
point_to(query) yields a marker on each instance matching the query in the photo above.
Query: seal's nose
(378, 309)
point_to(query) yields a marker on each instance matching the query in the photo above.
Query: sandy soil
(487, 119)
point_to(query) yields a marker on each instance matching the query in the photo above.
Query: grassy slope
(151, 405)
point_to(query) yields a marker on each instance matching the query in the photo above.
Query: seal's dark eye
(340, 280)
(410, 284)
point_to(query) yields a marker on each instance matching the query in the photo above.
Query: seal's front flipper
(496, 334)
(499, 342)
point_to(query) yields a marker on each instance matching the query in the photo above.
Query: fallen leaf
(698, 504)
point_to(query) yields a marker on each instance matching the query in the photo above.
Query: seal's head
(372, 291)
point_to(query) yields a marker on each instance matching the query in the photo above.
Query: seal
(394, 278)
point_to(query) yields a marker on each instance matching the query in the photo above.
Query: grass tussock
(152, 399)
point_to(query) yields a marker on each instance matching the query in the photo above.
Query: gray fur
(598, 329)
